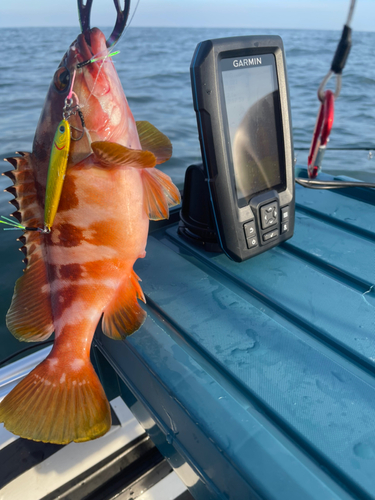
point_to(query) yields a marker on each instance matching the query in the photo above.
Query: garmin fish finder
(240, 95)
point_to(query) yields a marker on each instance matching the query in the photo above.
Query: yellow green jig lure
(56, 173)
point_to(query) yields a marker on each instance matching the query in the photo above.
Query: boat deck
(124, 464)
(257, 380)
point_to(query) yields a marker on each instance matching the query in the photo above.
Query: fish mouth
(90, 44)
(93, 81)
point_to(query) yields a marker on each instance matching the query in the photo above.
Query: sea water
(154, 69)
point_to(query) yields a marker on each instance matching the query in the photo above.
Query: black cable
(345, 44)
(340, 149)
(312, 184)
(342, 51)
(15, 354)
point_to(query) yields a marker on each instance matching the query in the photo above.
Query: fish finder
(241, 99)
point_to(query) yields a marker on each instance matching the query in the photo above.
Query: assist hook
(84, 11)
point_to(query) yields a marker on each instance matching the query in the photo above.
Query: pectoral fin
(159, 194)
(111, 154)
(153, 140)
(123, 316)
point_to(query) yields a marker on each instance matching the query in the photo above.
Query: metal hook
(84, 11)
(321, 89)
(320, 138)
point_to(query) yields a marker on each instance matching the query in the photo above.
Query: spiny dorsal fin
(153, 140)
(159, 194)
(29, 317)
(111, 154)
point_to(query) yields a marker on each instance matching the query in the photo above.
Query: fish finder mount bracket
(241, 199)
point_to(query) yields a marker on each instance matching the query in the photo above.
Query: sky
(297, 14)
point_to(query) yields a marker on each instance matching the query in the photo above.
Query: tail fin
(55, 405)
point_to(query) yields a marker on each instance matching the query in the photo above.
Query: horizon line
(191, 27)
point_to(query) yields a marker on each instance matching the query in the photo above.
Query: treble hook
(84, 11)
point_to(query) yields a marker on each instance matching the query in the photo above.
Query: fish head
(97, 91)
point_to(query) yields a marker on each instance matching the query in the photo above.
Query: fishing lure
(16, 225)
(59, 159)
(56, 172)
(95, 59)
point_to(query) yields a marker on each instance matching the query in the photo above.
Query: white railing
(11, 374)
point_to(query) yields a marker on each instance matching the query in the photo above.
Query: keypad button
(284, 227)
(249, 229)
(252, 242)
(271, 235)
(269, 215)
(284, 214)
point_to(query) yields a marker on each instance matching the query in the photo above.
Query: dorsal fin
(111, 154)
(29, 317)
(153, 140)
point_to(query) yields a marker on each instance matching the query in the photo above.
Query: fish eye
(62, 128)
(61, 79)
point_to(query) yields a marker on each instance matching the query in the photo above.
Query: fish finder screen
(253, 111)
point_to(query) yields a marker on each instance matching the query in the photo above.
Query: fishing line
(131, 19)
(93, 87)
(350, 14)
(95, 58)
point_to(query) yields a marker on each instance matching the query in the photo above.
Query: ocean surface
(154, 69)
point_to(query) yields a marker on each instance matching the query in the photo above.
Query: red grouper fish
(83, 268)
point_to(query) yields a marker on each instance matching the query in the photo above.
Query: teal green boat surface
(257, 380)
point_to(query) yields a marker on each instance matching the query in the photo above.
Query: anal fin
(123, 316)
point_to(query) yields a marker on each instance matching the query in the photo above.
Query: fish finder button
(269, 215)
(252, 242)
(271, 235)
(284, 214)
(284, 227)
(249, 229)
